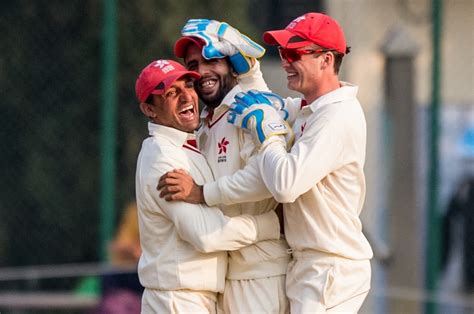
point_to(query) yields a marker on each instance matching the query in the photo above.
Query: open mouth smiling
(188, 110)
(291, 74)
(207, 85)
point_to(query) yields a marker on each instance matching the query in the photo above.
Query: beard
(226, 83)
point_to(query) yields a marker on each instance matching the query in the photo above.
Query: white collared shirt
(227, 150)
(184, 245)
(321, 180)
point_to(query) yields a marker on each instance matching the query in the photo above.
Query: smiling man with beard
(255, 281)
(217, 80)
(184, 259)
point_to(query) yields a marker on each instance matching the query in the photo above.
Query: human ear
(328, 59)
(146, 110)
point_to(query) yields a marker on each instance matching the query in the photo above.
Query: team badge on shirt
(222, 150)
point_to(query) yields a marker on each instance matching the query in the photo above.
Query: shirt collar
(347, 91)
(175, 136)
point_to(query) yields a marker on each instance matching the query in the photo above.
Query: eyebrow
(187, 63)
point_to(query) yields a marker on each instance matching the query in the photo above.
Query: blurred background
(72, 131)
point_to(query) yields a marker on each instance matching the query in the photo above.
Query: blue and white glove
(222, 40)
(253, 111)
(276, 101)
(287, 108)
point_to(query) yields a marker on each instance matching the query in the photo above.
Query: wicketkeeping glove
(222, 40)
(276, 101)
(253, 111)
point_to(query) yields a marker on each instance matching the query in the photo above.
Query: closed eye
(191, 66)
(190, 84)
(171, 93)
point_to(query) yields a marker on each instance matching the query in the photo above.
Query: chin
(294, 86)
(211, 99)
(290, 86)
(192, 127)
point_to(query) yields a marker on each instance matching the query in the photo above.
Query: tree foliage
(50, 77)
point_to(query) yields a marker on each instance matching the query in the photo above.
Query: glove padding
(222, 40)
(253, 111)
(275, 100)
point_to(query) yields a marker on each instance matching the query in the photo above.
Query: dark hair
(149, 100)
(337, 61)
(337, 56)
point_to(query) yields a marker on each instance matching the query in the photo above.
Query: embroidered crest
(222, 150)
(222, 146)
(296, 21)
(164, 65)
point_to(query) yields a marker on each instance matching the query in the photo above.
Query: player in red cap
(184, 246)
(321, 179)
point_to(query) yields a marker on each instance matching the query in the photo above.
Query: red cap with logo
(182, 44)
(310, 28)
(158, 76)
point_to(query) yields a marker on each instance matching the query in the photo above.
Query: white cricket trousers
(320, 283)
(179, 301)
(257, 296)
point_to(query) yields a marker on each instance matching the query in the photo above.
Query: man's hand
(223, 40)
(178, 185)
(255, 112)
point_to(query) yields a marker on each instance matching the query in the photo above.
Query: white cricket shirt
(228, 149)
(321, 180)
(184, 245)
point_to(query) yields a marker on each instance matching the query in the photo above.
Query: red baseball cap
(310, 28)
(158, 76)
(181, 45)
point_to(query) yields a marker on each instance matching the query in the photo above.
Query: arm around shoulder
(253, 79)
(209, 230)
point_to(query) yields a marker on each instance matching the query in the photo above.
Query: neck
(323, 88)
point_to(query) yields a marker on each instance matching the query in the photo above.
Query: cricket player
(320, 180)
(184, 259)
(226, 61)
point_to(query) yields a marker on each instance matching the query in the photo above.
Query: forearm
(245, 185)
(278, 171)
(289, 175)
(209, 230)
(253, 79)
(240, 231)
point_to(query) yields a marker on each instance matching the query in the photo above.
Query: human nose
(203, 68)
(284, 63)
(186, 95)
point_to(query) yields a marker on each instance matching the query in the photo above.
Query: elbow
(285, 195)
(205, 244)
